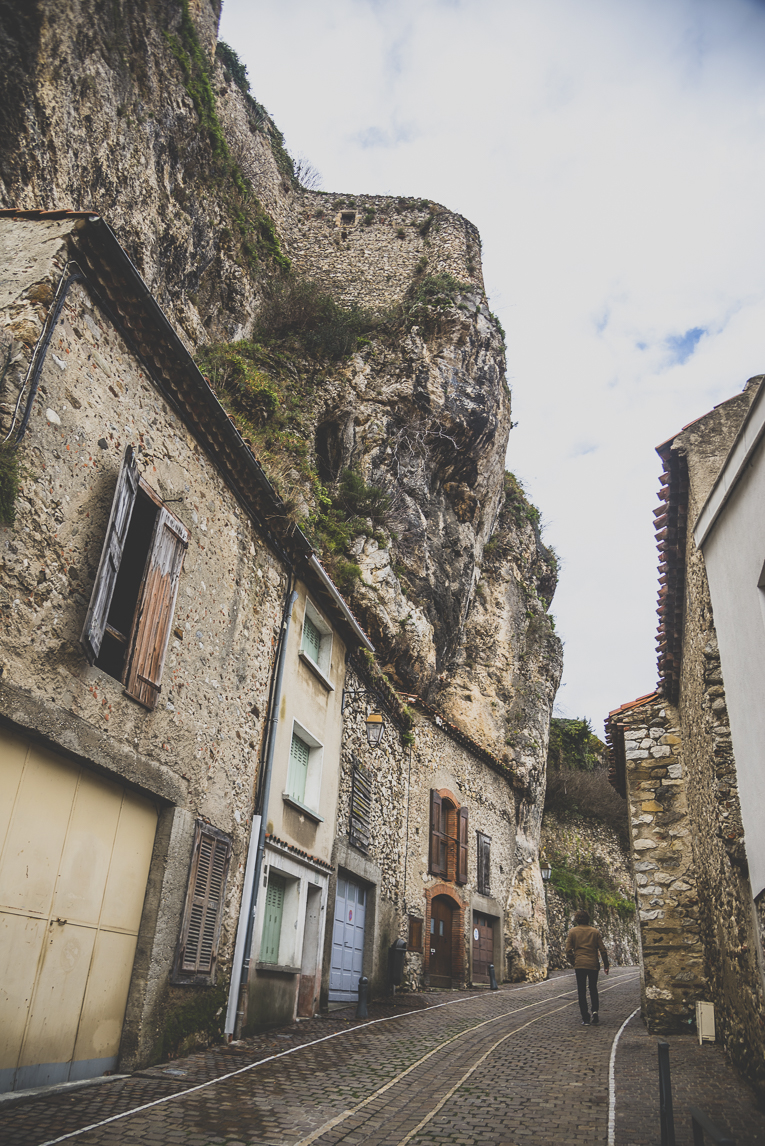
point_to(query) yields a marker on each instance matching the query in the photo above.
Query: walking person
(583, 945)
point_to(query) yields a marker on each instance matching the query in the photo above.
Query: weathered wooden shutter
(462, 845)
(415, 933)
(484, 864)
(437, 835)
(272, 923)
(154, 615)
(204, 904)
(311, 639)
(298, 770)
(111, 556)
(359, 827)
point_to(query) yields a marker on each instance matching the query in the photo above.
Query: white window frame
(291, 912)
(310, 803)
(320, 668)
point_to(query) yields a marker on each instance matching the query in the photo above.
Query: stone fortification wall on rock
(589, 843)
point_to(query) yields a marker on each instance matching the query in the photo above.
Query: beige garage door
(75, 850)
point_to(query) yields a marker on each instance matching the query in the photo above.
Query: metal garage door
(347, 941)
(75, 850)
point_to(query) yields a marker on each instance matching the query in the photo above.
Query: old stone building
(454, 588)
(688, 757)
(426, 851)
(148, 584)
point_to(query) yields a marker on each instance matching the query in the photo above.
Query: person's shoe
(586, 1022)
(595, 1018)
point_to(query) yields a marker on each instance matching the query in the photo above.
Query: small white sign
(475, 933)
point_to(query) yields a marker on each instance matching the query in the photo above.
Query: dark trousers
(584, 976)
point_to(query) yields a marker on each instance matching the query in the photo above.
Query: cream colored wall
(307, 700)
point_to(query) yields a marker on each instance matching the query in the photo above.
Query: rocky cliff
(125, 109)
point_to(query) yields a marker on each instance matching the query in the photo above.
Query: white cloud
(612, 153)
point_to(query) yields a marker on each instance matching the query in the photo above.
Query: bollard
(361, 1006)
(492, 979)
(665, 1097)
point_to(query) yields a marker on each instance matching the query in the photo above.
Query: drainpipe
(273, 720)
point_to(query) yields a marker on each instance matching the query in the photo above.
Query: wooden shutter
(204, 905)
(298, 772)
(111, 556)
(462, 845)
(437, 835)
(359, 827)
(415, 933)
(272, 923)
(311, 639)
(484, 864)
(154, 615)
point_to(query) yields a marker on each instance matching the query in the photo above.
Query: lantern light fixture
(546, 871)
(375, 726)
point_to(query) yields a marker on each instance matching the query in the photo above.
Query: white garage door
(75, 850)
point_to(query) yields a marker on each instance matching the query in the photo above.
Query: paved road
(497, 1068)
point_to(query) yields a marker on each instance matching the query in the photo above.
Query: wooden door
(347, 963)
(483, 946)
(440, 965)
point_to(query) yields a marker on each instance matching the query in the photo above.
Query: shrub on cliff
(571, 793)
(300, 308)
(573, 746)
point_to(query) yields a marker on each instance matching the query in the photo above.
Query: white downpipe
(241, 931)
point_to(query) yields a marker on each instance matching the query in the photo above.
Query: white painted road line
(612, 1080)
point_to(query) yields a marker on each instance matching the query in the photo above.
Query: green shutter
(272, 924)
(311, 639)
(298, 769)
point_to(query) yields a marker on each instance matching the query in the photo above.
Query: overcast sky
(612, 155)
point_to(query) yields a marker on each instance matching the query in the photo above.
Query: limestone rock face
(123, 109)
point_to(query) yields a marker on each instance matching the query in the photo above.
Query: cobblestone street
(510, 1067)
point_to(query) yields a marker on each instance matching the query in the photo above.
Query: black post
(492, 979)
(361, 1007)
(665, 1097)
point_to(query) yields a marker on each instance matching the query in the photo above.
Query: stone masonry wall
(403, 776)
(662, 859)
(591, 843)
(732, 937)
(198, 750)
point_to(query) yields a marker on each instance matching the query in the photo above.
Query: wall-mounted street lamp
(375, 725)
(546, 872)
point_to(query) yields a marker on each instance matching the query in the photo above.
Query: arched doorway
(440, 963)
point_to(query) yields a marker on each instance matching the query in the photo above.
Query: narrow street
(500, 1069)
(515, 1065)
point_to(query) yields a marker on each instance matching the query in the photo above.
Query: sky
(612, 155)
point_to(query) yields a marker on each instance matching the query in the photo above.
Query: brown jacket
(582, 947)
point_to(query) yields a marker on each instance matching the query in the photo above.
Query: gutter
(351, 621)
(243, 972)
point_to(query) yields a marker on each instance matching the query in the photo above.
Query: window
(415, 933)
(359, 826)
(127, 626)
(448, 839)
(197, 952)
(316, 644)
(348, 218)
(483, 866)
(303, 788)
(272, 921)
(298, 772)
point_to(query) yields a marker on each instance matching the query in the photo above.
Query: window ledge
(302, 808)
(316, 671)
(277, 967)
